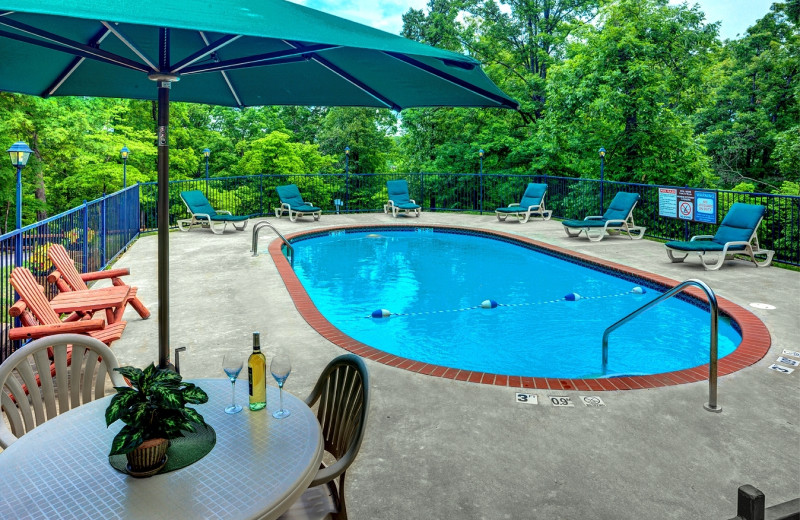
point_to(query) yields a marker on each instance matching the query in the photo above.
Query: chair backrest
(196, 202)
(534, 194)
(740, 223)
(49, 376)
(290, 195)
(398, 191)
(66, 267)
(342, 399)
(621, 206)
(31, 292)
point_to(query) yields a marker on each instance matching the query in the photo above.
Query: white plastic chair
(49, 376)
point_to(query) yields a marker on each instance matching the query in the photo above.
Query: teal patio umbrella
(226, 52)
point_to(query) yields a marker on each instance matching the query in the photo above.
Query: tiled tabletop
(259, 466)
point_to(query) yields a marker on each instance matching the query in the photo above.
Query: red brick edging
(754, 346)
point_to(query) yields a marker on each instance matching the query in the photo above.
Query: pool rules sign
(688, 204)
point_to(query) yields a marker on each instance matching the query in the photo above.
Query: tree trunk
(41, 191)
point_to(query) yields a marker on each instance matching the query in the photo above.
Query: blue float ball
(571, 297)
(488, 304)
(638, 290)
(380, 313)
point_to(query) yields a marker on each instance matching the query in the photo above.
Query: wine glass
(280, 367)
(232, 364)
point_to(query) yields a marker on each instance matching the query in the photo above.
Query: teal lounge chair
(532, 203)
(293, 204)
(617, 218)
(737, 234)
(204, 215)
(399, 199)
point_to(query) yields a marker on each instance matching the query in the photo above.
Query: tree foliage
(649, 81)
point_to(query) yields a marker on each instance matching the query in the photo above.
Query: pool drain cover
(764, 306)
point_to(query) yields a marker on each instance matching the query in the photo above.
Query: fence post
(346, 178)
(261, 193)
(480, 153)
(103, 230)
(85, 236)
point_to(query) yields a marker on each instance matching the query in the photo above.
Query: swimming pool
(429, 281)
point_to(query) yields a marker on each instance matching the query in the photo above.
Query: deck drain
(764, 306)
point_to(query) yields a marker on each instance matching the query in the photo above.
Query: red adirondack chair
(68, 278)
(39, 319)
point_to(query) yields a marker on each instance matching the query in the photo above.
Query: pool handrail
(711, 406)
(254, 246)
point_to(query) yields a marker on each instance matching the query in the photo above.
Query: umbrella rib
(225, 75)
(59, 43)
(74, 64)
(357, 83)
(127, 42)
(452, 79)
(202, 53)
(259, 60)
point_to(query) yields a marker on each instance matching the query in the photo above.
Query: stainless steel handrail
(711, 406)
(254, 246)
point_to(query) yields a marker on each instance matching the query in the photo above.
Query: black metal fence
(568, 198)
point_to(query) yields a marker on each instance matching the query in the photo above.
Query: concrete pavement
(439, 448)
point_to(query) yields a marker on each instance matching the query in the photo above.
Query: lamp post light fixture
(346, 177)
(602, 152)
(124, 154)
(206, 154)
(19, 153)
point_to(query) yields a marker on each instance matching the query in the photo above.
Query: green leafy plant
(153, 407)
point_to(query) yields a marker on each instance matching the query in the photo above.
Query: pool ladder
(254, 246)
(711, 406)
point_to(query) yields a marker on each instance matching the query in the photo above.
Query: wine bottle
(257, 375)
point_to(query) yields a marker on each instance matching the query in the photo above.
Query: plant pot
(148, 458)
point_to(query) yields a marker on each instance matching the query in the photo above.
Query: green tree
(630, 85)
(751, 126)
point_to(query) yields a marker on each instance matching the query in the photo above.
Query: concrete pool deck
(442, 448)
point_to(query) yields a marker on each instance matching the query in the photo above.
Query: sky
(736, 15)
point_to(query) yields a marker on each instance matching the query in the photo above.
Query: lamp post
(480, 154)
(19, 153)
(602, 152)
(124, 154)
(347, 177)
(206, 154)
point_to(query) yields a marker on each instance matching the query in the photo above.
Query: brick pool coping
(755, 344)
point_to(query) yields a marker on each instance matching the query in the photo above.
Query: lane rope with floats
(493, 304)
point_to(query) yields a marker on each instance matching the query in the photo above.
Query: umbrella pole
(164, 83)
(163, 224)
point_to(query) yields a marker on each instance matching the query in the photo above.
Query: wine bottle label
(250, 379)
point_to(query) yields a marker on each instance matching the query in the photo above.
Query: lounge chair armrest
(40, 331)
(512, 205)
(594, 217)
(285, 206)
(390, 203)
(701, 237)
(224, 212)
(17, 309)
(101, 275)
(412, 201)
(54, 276)
(202, 215)
(534, 206)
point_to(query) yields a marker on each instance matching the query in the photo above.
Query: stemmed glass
(280, 367)
(232, 364)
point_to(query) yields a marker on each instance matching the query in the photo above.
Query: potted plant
(154, 410)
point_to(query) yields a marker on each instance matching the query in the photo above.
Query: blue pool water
(432, 283)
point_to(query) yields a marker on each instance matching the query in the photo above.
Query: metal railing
(254, 246)
(711, 406)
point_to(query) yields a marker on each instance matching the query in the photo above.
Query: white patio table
(259, 466)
